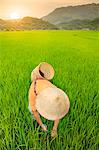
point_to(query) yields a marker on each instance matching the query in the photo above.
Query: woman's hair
(41, 73)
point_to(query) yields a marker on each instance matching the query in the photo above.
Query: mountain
(80, 25)
(27, 23)
(2, 24)
(65, 15)
(66, 18)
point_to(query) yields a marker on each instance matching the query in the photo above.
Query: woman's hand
(44, 127)
(54, 133)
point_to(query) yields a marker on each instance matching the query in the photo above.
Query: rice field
(75, 58)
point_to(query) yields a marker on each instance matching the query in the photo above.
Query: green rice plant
(75, 58)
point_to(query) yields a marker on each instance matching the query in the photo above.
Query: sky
(34, 8)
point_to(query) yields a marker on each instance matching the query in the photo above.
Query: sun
(14, 15)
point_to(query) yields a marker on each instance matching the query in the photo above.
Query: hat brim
(52, 103)
(47, 70)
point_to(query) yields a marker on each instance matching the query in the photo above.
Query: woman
(45, 98)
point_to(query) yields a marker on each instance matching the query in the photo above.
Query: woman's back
(41, 84)
(36, 88)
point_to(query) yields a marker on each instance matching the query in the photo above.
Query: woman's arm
(56, 122)
(33, 108)
(54, 130)
(37, 117)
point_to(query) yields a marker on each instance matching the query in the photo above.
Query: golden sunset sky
(34, 8)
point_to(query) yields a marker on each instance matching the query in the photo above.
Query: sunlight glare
(14, 15)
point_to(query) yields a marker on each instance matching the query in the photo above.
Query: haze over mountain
(64, 15)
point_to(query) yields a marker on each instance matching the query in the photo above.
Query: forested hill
(81, 15)
(27, 23)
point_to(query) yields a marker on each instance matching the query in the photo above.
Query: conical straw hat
(43, 70)
(52, 103)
